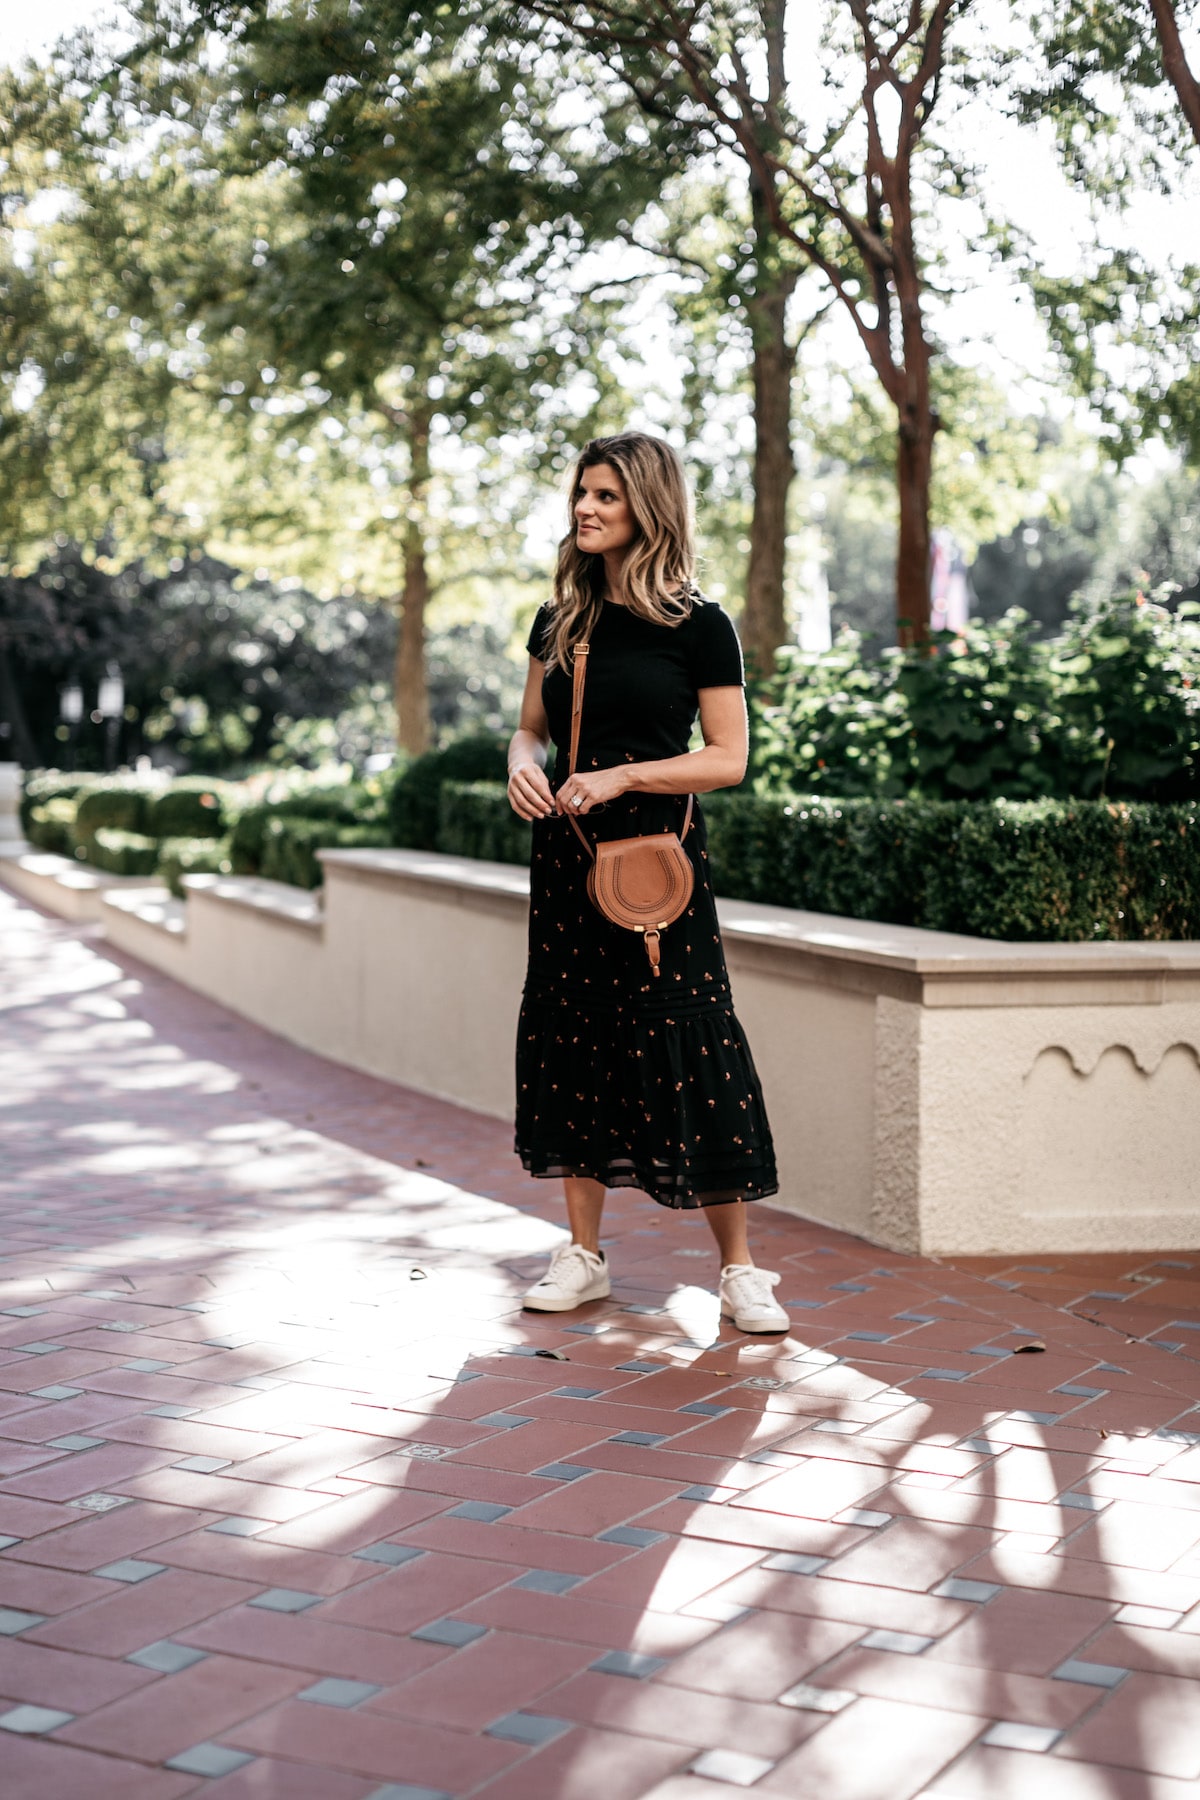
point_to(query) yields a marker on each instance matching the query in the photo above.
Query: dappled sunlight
(279, 1305)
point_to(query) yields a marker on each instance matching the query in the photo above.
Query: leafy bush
(337, 805)
(180, 856)
(475, 819)
(47, 785)
(51, 826)
(121, 852)
(290, 846)
(1109, 709)
(187, 809)
(414, 803)
(110, 806)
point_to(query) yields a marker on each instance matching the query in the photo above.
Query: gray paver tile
(628, 1662)
(33, 1721)
(130, 1568)
(13, 1621)
(334, 1692)
(285, 1600)
(392, 1555)
(527, 1728)
(449, 1631)
(1011, 1735)
(807, 1698)
(208, 1759)
(166, 1658)
(1091, 1674)
(736, 1767)
(547, 1581)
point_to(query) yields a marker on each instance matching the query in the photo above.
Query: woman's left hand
(591, 790)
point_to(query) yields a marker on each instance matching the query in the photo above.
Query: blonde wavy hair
(660, 562)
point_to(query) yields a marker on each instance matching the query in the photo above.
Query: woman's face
(603, 521)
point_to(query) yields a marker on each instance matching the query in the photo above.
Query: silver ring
(576, 799)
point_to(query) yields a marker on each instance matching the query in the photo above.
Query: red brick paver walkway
(297, 1504)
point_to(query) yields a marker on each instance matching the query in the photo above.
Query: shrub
(475, 819)
(1027, 871)
(248, 839)
(187, 809)
(182, 856)
(1110, 709)
(51, 826)
(290, 846)
(110, 807)
(51, 784)
(121, 852)
(413, 807)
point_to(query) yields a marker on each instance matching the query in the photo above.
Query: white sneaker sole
(755, 1325)
(550, 1303)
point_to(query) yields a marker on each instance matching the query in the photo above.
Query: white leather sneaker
(746, 1298)
(574, 1277)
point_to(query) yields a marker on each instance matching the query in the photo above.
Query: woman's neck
(614, 576)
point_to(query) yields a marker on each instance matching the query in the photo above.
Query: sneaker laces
(567, 1253)
(758, 1282)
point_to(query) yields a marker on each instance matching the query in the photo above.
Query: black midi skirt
(630, 1080)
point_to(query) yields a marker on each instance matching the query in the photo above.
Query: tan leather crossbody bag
(642, 883)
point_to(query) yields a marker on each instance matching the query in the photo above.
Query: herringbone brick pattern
(296, 1503)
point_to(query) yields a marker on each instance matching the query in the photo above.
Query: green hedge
(182, 856)
(186, 809)
(51, 826)
(122, 852)
(1054, 871)
(290, 847)
(248, 839)
(111, 808)
(414, 804)
(1027, 871)
(51, 784)
(475, 819)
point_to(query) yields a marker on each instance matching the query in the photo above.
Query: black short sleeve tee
(643, 683)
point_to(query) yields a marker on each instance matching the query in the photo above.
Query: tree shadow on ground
(245, 1339)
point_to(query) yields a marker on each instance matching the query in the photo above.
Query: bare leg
(728, 1225)
(585, 1204)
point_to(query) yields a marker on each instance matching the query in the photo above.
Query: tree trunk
(764, 622)
(411, 691)
(1175, 62)
(914, 469)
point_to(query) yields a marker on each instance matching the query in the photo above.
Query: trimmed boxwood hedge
(414, 807)
(111, 808)
(1051, 871)
(51, 826)
(248, 839)
(290, 847)
(475, 819)
(122, 852)
(186, 809)
(182, 856)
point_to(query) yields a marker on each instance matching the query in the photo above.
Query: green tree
(1117, 86)
(842, 194)
(343, 218)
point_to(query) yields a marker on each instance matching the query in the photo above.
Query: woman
(627, 1077)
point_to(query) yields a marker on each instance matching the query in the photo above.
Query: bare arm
(721, 763)
(528, 789)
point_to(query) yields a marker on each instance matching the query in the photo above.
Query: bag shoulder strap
(577, 685)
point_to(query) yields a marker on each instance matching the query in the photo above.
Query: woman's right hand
(529, 792)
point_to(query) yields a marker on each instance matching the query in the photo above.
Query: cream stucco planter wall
(930, 1092)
